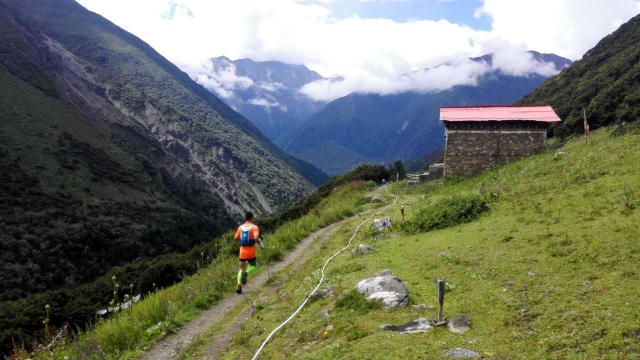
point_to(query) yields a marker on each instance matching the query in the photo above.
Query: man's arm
(256, 233)
(256, 236)
(237, 237)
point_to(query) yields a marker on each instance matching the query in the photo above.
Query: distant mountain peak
(265, 92)
(558, 61)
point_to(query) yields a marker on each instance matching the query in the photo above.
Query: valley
(136, 136)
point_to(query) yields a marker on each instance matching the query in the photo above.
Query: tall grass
(128, 334)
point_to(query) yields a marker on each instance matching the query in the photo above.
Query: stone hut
(479, 137)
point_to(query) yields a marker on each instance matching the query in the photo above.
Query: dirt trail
(170, 347)
(222, 338)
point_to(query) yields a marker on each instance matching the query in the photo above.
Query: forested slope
(606, 82)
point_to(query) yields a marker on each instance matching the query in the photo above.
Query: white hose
(255, 356)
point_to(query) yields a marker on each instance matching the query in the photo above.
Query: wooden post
(441, 290)
(402, 212)
(586, 127)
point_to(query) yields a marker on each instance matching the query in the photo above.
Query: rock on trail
(386, 288)
(463, 354)
(412, 327)
(362, 249)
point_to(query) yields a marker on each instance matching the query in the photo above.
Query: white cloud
(273, 87)
(371, 54)
(435, 79)
(221, 80)
(565, 27)
(262, 102)
(507, 59)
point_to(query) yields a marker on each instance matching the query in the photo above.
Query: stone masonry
(473, 147)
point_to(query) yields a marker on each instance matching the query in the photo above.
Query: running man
(249, 235)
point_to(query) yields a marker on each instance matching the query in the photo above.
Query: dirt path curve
(170, 347)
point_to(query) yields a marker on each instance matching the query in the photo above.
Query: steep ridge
(141, 87)
(378, 129)
(606, 81)
(266, 92)
(111, 156)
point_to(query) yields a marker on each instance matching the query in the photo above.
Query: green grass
(550, 272)
(129, 334)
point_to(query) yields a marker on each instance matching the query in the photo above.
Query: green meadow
(548, 271)
(542, 254)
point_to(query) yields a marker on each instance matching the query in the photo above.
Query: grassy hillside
(549, 272)
(162, 311)
(606, 82)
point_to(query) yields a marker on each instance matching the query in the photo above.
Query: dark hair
(248, 216)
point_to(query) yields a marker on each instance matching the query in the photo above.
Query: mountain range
(267, 93)
(372, 128)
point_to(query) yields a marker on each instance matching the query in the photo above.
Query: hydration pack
(245, 236)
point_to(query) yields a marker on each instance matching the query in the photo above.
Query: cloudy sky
(371, 43)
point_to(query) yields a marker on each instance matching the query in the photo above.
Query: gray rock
(422, 307)
(385, 272)
(324, 314)
(379, 236)
(422, 197)
(362, 249)
(463, 354)
(413, 327)
(381, 224)
(389, 290)
(376, 200)
(459, 325)
(324, 292)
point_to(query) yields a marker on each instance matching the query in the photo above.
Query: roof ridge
(492, 106)
(543, 113)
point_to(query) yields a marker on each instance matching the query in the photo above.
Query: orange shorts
(247, 253)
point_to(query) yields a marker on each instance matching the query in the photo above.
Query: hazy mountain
(361, 128)
(109, 153)
(606, 81)
(267, 92)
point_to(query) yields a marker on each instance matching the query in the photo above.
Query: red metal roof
(499, 113)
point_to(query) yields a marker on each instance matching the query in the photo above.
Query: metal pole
(441, 290)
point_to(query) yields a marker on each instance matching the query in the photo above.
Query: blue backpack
(245, 236)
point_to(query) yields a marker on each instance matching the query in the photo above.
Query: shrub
(458, 209)
(353, 300)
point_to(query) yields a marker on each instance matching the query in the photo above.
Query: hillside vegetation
(606, 82)
(127, 334)
(113, 162)
(548, 271)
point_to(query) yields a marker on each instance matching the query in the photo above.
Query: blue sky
(460, 11)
